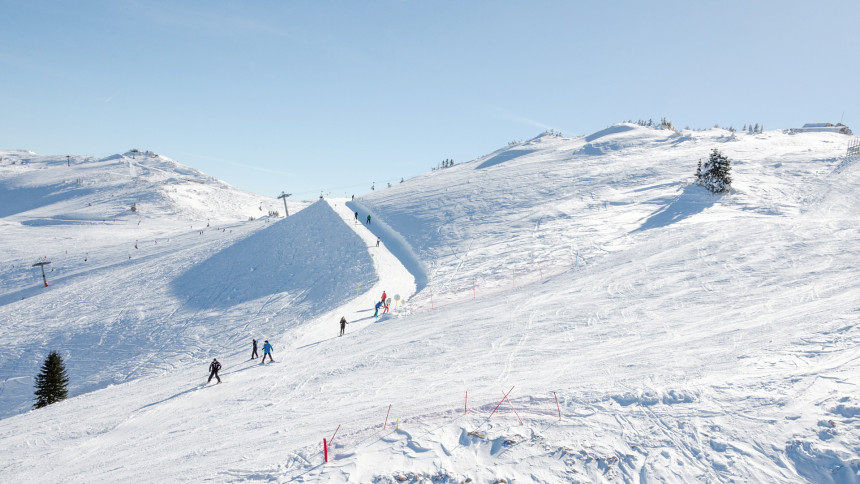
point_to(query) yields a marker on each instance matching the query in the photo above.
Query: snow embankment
(393, 240)
(392, 278)
(311, 254)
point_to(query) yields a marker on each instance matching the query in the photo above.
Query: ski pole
(386, 416)
(500, 402)
(512, 407)
(335, 433)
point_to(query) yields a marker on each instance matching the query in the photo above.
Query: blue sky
(321, 96)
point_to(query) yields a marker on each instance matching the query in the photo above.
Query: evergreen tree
(51, 382)
(714, 174)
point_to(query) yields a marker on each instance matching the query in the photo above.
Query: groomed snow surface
(685, 336)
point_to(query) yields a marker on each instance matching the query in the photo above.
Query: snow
(687, 336)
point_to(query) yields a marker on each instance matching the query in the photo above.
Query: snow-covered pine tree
(51, 382)
(714, 174)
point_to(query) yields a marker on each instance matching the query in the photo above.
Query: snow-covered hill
(686, 336)
(63, 190)
(113, 305)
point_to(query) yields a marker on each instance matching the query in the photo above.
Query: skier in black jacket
(213, 370)
(254, 350)
(342, 325)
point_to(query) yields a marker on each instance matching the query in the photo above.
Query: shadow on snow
(692, 200)
(312, 255)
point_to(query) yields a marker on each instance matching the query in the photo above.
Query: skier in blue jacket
(267, 351)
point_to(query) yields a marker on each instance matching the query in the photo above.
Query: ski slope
(687, 337)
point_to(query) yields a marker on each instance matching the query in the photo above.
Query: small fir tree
(51, 382)
(714, 174)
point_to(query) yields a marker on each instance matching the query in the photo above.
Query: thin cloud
(239, 165)
(229, 20)
(204, 19)
(508, 116)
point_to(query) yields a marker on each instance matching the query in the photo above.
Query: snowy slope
(56, 190)
(688, 337)
(113, 306)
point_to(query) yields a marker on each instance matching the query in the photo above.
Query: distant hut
(822, 128)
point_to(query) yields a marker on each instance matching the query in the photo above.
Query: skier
(368, 220)
(356, 217)
(342, 325)
(213, 370)
(378, 305)
(377, 241)
(267, 351)
(254, 354)
(384, 297)
(387, 303)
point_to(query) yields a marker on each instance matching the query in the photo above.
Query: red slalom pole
(556, 405)
(500, 403)
(386, 417)
(515, 410)
(325, 450)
